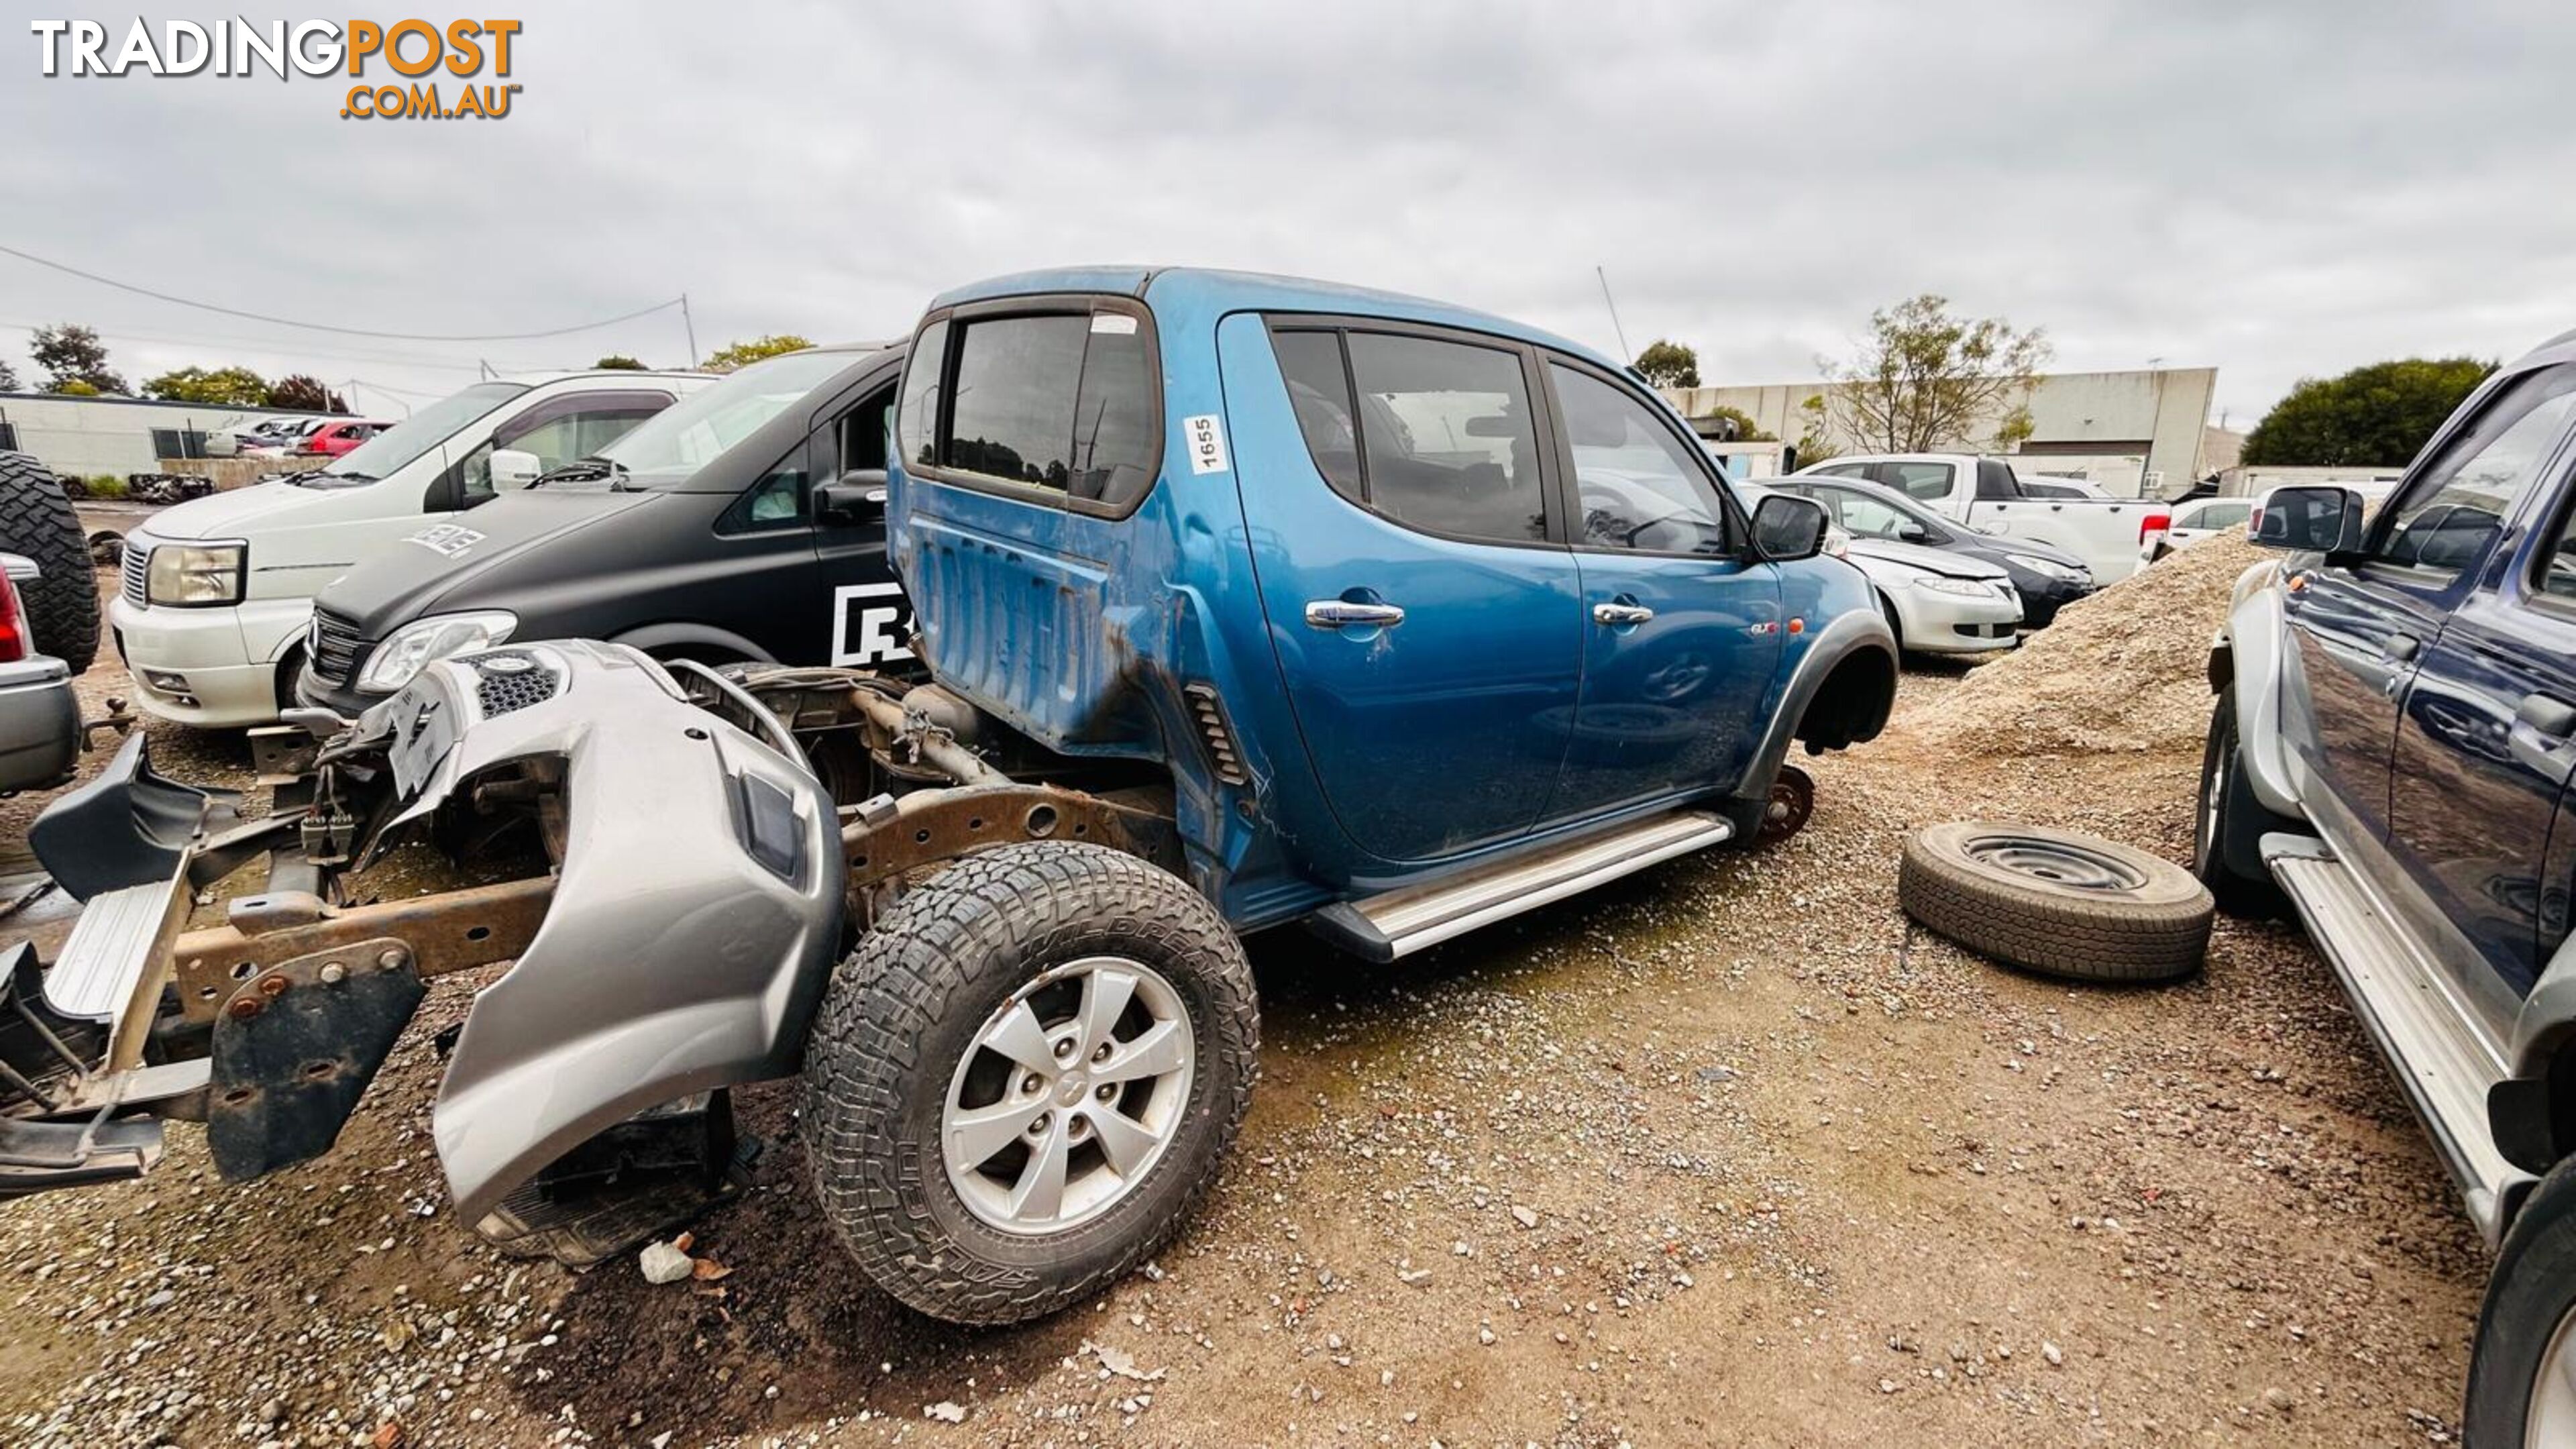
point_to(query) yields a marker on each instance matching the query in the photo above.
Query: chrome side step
(2442, 1060)
(109, 947)
(1400, 922)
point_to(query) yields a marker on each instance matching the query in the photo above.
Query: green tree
(298, 392)
(743, 354)
(8, 378)
(70, 353)
(1924, 379)
(620, 362)
(1746, 430)
(1669, 364)
(222, 387)
(1815, 432)
(2374, 416)
(75, 387)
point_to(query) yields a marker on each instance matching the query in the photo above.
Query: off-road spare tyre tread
(2156, 931)
(36, 519)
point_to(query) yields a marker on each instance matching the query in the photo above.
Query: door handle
(2546, 715)
(2400, 648)
(1621, 615)
(1343, 614)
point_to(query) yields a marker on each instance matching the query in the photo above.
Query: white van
(216, 593)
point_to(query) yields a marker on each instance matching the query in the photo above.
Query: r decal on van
(449, 540)
(869, 624)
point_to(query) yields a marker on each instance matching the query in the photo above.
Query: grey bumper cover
(693, 924)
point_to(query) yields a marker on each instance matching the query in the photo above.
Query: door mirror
(2300, 518)
(857, 496)
(1787, 528)
(1912, 532)
(512, 469)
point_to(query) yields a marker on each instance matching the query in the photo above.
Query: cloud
(2278, 190)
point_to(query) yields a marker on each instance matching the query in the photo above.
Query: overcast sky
(2276, 189)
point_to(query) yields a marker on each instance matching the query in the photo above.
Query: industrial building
(119, 435)
(2132, 433)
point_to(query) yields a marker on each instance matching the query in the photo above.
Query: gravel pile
(2122, 671)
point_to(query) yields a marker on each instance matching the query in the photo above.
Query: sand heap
(2124, 670)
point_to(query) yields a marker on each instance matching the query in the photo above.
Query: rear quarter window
(1059, 402)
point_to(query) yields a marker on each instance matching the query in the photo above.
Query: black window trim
(1035, 304)
(1738, 523)
(2447, 587)
(1542, 422)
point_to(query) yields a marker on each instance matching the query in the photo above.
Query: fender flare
(1849, 635)
(2249, 653)
(653, 638)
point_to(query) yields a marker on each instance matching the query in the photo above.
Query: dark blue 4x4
(2391, 749)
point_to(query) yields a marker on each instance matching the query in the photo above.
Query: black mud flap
(633, 1182)
(296, 1046)
(125, 828)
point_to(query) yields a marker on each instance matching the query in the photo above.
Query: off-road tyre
(2229, 822)
(37, 520)
(900, 1012)
(2055, 901)
(2531, 1293)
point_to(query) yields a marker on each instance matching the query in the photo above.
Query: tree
(300, 393)
(70, 352)
(223, 387)
(1669, 364)
(743, 354)
(75, 387)
(8, 378)
(1815, 438)
(1924, 380)
(2374, 416)
(620, 362)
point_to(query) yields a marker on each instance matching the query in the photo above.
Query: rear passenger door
(1681, 630)
(1425, 612)
(2487, 741)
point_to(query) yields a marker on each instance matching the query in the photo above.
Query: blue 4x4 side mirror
(1787, 527)
(2308, 519)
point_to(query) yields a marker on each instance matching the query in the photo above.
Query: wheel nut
(1064, 1048)
(1038, 1126)
(1105, 1091)
(1078, 1128)
(1100, 1053)
(1031, 1082)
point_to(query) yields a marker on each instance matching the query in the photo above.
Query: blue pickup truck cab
(1243, 603)
(2390, 751)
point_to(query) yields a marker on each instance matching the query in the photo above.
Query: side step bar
(1400, 922)
(2442, 1060)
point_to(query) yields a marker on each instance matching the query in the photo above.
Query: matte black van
(746, 522)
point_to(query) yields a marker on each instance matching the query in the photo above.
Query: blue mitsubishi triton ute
(1243, 602)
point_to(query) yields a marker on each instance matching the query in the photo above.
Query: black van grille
(335, 647)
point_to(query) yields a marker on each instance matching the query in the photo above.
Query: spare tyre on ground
(38, 521)
(2055, 901)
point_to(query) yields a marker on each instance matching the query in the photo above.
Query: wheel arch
(704, 643)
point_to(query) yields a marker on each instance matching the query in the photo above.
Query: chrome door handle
(1342, 614)
(1616, 615)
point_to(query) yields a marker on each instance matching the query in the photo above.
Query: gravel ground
(1727, 1153)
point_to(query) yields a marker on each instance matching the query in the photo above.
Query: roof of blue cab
(1216, 293)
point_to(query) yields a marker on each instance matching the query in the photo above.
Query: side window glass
(2446, 518)
(1863, 516)
(1917, 480)
(1995, 479)
(863, 433)
(1061, 401)
(1319, 390)
(1637, 487)
(918, 417)
(2557, 568)
(1446, 439)
(777, 499)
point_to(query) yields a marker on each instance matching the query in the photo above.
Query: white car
(1938, 601)
(1986, 494)
(2195, 520)
(217, 593)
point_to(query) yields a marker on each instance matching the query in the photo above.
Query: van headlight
(410, 648)
(195, 575)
